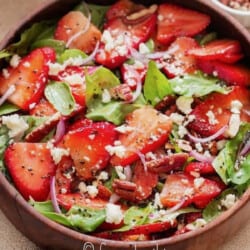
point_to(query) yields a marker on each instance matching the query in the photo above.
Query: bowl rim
(9, 189)
(245, 13)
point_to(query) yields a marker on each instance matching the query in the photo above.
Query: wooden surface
(11, 12)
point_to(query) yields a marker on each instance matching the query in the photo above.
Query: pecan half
(125, 189)
(122, 91)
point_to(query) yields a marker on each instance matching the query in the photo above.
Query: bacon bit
(41, 131)
(167, 163)
(125, 189)
(123, 92)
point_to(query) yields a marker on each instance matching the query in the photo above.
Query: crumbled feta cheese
(220, 144)
(106, 97)
(113, 214)
(74, 79)
(92, 191)
(182, 131)
(32, 105)
(228, 201)
(15, 60)
(103, 176)
(5, 73)
(120, 172)
(234, 125)
(116, 150)
(26, 64)
(82, 187)
(236, 107)
(177, 118)
(184, 104)
(150, 156)
(157, 201)
(198, 182)
(124, 129)
(184, 145)
(199, 223)
(211, 118)
(57, 153)
(16, 125)
(199, 147)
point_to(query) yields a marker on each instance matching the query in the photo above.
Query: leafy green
(34, 122)
(59, 46)
(207, 38)
(60, 96)
(4, 140)
(97, 13)
(8, 108)
(156, 85)
(78, 217)
(4, 54)
(196, 85)
(70, 54)
(226, 164)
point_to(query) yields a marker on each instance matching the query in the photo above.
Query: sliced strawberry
(176, 62)
(147, 131)
(122, 8)
(219, 106)
(32, 171)
(185, 189)
(223, 50)
(87, 147)
(68, 200)
(120, 37)
(29, 78)
(145, 181)
(70, 29)
(43, 108)
(200, 168)
(175, 21)
(232, 74)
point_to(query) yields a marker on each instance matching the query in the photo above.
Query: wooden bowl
(47, 233)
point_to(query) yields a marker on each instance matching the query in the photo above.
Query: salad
(126, 122)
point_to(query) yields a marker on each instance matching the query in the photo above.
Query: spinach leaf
(4, 54)
(196, 85)
(4, 141)
(156, 85)
(69, 54)
(60, 96)
(59, 46)
(8, 108)
(226, 164)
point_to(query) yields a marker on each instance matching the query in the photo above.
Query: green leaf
(156, 85)
(135, 216)
(86, 219)
(197, 85)
(70, 54)
(203, 40)
(4, 141)
(8, 108)
(60, 96)
(59, 46)
(226, 161)
(97, 13)
(4, 54)
(36, 32)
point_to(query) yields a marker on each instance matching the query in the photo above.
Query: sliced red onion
(138, 56)
(137, 92)
(246, 148)
(53, 195)
(91, 57)
(156, 55)
(7, 94)
(81, 32)
(201, 157)
(176, 207)
(209, 138)
(114, 198)
(128, 173)
(143, 160)
(60, 130)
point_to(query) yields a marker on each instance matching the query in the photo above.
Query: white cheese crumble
(82, 187)
(184, 104)
(182, 131)
(5, 73)
(15, 60)
(211, 118)
(92, 191)
(157, 201)
(123, 129)
(236, 107)
(198, 182)
(177, 118)
(103, 176)
(228, 201)
(116, 150)
(113, 213)
(234, 125)
(16, 125)
(120, 172)
(57, 153)
(199, 223)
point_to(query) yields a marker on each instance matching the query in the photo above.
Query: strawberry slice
(122, 8)
(224, 50)
(215, 112)
(71, 29)
(43, 108)
(176, 62)
(183, 188)
(147, 131)
(87, 147)
(32, 171)
(175, 21)
(232, 74)
(120, 36)
(28, 78)
(200, 168)
(68, 200)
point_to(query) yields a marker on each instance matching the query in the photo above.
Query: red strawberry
(175, 21)
(176, 62)
(43, 108)
(29, 78)
(32, 171)
(87, 147)
(200, 168)
(147, 130)
(120, 36)
(70, 29)
(232, 74)
(223, 50)
(218, 105)
(185, 188)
